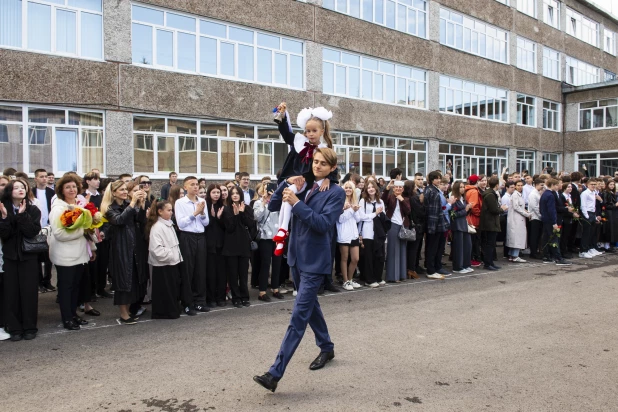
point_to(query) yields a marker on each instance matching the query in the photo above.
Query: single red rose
(443, 207)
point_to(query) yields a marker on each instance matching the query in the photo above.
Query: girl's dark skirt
(127, 298)
(165, 292)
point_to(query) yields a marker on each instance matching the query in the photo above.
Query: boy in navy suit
(314, 214)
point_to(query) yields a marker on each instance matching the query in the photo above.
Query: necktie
(315, 186)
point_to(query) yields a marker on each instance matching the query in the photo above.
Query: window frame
(549, 162)
(556, 113)
(592, 109)
(579, 67)
(468, 84)
(525, 160)
(522, 48)
(611, 47)
(555, 5)
(456, 151)
(531, 108)
(586, 29)
(549, 59)
(524, 6)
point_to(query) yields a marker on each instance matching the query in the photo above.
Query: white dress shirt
(534, 204)
(397, 218)
(184, 209)
(247, 196)
(588, 202)
(367, 215)
(526, 192)
(40, 194)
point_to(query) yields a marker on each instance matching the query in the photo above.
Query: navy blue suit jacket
(547, 207)
(313, 225)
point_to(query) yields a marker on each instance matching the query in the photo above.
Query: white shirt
(588, 202)
(184, 209)
(347, 229)
(526, 192)
(365, 225)
(534, 204)
(506, 199)
(247, 196)
(40, 194)
(319, 182)
(396, 218)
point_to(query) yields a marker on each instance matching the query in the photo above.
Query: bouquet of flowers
(97, 217)
(76, 217)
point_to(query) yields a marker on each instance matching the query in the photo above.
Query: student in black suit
(576, 178)
(45, 195)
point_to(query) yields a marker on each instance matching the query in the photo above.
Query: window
(605, 163)
(64, 27)
(356, 76)
(463, 161)
(408, 16)
(609, 43)
(600, 114)
(527, 6)
(179, 42)
(609, 76)
(551, 63)
(550, 160)
(473, 36)
(551, 13)
(551, 116)
(582, 27)
(526, 161)
(473, 100)
(61, 140)
(365, 154)
(579, 73)
(526, 54)
(526, 106)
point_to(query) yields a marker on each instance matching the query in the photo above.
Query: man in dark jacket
(551, 228)
(576, 178)
(45, 195)
(436, 226)
(490, 221)
(165, 189)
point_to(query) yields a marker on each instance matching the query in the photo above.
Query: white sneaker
(4, 335)
(283, 290)
(374, 285)
(382, 283)
(461, 271)
(469, 270)
(348, 285)
(593, 252)
(585, 255)
(355, 285)
(435, 276)
(600, 252)
(519, 260)
(295, 293)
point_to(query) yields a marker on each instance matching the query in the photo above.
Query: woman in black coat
(609, 233)
(126, 266)
(417, 221)
(19, 219)
(462, 241)
(216, 280)
(240, 227)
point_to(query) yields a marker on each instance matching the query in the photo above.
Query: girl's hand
(356, 207)
(282, 107)
(468, 207)
(325, 185)
(235, 207)
(451, 200)
(400, 198)
(346, 206)
(212, 211)
(241, 208)
(22, 206)
(220, 212)
(379, 210)
(3, 211)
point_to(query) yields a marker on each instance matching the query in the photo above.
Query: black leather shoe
(321, 290)
(70, 325)
(490, 268)
(93, 312)
(221, 304)
(267, 381)
(237, 305)
(18, 337)
(202, 309)
(49, 287)
(79, 321)
(322, 359)
(29, 336)
(332, 288)
(211, 305)
(246, 303)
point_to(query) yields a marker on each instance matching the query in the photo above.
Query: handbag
(253, 244)
(36, 244)
(471, 229)
(409, 235)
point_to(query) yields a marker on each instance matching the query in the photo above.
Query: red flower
(91, 208)
(603, 208)
(443, 207)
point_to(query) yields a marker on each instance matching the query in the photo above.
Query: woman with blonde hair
(348, 237)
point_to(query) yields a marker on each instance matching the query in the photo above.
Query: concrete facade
(123, 89)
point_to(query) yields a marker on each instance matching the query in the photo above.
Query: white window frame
(548, 160)
(478, 93)
(529, 107)
(595, 170)
(456, 153)
(551, 58)
(471, 29)
(526, 160)
(219, 40)
(398, 74)
(549, 7)
(505, 2)
(609, 42)
(402, 10)
(554, 112)
(527, 47)
(527, 7)
(26, 125)
(582, 73)
(54, 6)
(595, 106)
(585, 29)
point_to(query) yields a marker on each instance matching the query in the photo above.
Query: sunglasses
(146, 183)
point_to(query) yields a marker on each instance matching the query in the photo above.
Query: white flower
(322, 113)
(303, 117)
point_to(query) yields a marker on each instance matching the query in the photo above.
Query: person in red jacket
(474, 197)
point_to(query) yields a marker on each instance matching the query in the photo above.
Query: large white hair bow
(306, 114)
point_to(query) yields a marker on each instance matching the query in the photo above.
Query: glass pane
(268, 41)
(39, 27)
(245, 156)
(213, 29)
(165, 48)
(11, 113)
(328, 72)
(141, 38)
(292, 46)
(281, 153)
(208, 55)
(242, 131)
(241, 35)
(264, 158)
(150, 124)
(265, 65)
(213, 129)
(296, 71)
(187, 153)
(94, 5)
(46, 116)
(165, 153)
(92, 36)
(148, 15)
(10, 23)
(340, 83)
(245, 55)
(228, 156)
(181, 126)
(227, 59)
(281, 68)
(209, 157)
(367, 162)
(12, 153)
(367, 85)
(39, 147)
(86, 119)
(390, 89)
(354, 82)
(389, 161)
(143, 155)
(268, 133)
(180, 22)
(186, 51)
(92, 150)
(66, 150)
(66, 31)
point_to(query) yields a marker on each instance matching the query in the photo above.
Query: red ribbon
(307, 152)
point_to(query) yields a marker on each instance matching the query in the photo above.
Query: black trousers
(489, 247)
(85, 284)
(238, 273)
(412, 251)
(371, 261)
(476, 246)
(266, 250)
(256, 267)
(102, 265)
(589, 231)
(572, 243)
(193, 267)
(216, 280)
(461, 246)
(419, 237)
(21, 296)
(548, 240)
(536, 228)
(45, 270)
(69, 278)
(433, 251)
(564, 238)
(503, 223)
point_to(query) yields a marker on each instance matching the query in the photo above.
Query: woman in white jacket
(70, 251)
(347, 236)
(164, 256)
(516, 234)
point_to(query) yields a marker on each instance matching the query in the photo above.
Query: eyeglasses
(145, 183)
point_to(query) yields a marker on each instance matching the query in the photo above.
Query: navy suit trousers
(306, 311)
